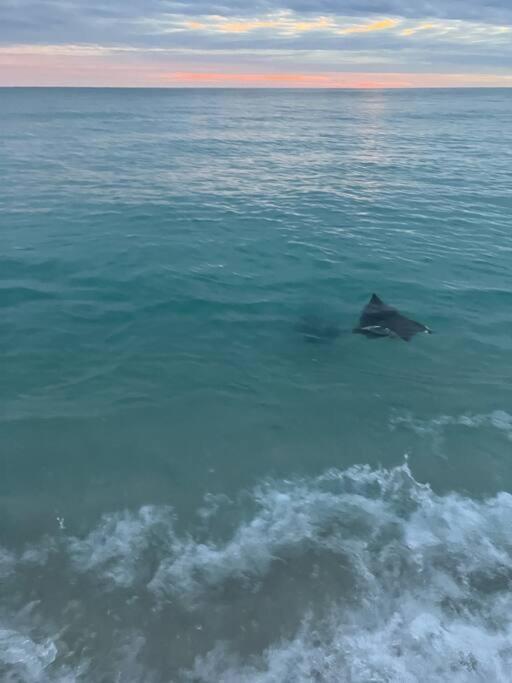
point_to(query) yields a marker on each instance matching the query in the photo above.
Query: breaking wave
(497, 419)
(357, 575)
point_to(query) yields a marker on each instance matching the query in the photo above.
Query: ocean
(193, 488)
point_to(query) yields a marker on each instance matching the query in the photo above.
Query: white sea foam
(117, 548)
(21, 659)
(336, 512)
(7, 562)
(411, 646)
(436, 604)
(413, 586)
(498, 419)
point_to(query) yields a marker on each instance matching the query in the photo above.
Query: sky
(256, 43)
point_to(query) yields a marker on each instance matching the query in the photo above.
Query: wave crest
(353, 575)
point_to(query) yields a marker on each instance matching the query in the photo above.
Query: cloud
(381, 25)
(89, 20)
(420, 27)
(283, 23)
(374, 36)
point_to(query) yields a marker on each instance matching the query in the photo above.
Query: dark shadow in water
(317, 329)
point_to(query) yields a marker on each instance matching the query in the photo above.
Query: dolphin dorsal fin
(376, 300)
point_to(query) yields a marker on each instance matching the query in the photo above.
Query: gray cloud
(125, 23)
(59, 20)
(489, 11)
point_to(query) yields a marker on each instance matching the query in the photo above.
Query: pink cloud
(100, 67)
(285, 80)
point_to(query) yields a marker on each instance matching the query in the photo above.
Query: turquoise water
(190, 490)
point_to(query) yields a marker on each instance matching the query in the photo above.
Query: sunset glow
(278, 48)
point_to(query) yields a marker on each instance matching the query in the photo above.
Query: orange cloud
(283, 22)
(245, 26)
(421, 27)
(195, 25)
(320, 24)
(382, 25)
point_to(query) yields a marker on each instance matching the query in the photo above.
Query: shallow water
(192, 490)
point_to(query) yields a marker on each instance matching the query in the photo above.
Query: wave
(497, 419)
(358, 575)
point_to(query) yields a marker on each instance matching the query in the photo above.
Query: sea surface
(204, 475)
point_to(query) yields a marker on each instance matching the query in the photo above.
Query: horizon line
(249, 87)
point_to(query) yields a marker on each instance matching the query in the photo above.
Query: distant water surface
(192, 486)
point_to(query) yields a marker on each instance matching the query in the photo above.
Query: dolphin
(380, 320)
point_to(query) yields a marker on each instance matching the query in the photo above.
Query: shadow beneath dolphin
(317, 329)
